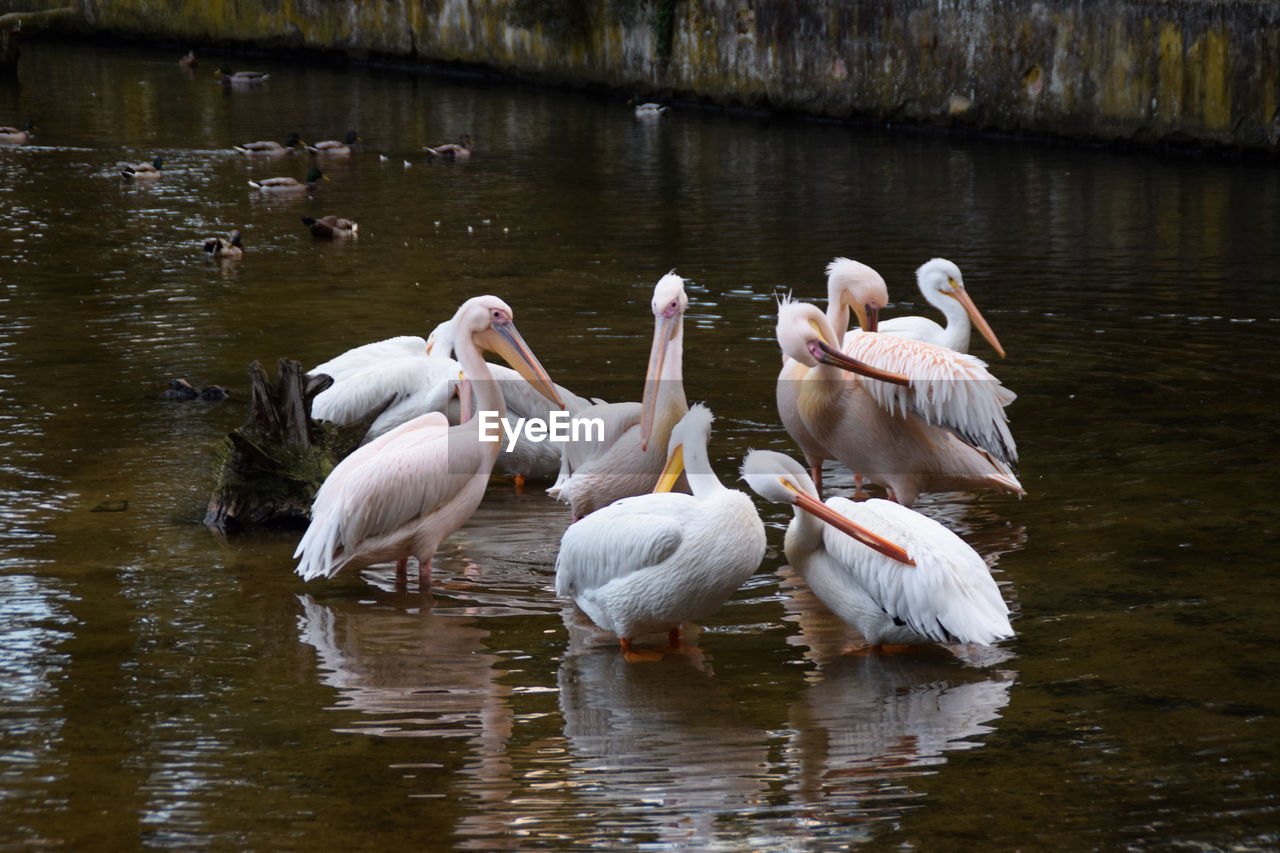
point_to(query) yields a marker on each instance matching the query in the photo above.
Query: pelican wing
(949, 389)
(360, 393)
(381, 487)
(948, 596)
(629, 535)
(361, 358)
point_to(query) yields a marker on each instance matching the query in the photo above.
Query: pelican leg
(815, 469)
(673, 640)
(402, 568)
(424, 576)
(633, 656)
(857, 486)
(519, 478)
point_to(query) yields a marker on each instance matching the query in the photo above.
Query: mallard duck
(334, 148)
(189, 61)
(142, 171)
(650, 110)
(289, 186)
(331, 227)
(457, 152)
(241, 78)
(18, 136)
(184, 391)
(227, 248)
(269, 147)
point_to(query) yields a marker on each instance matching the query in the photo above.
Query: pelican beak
(464, 396)
(828, 354)
(664, 332)
(868, 315)
(672, 471)
(812, 505)
(502, 339)
(962, 296)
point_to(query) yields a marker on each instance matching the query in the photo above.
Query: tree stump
(272, 465)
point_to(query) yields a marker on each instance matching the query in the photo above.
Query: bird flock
(656, 540)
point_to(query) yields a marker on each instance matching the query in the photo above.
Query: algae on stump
(270, 467)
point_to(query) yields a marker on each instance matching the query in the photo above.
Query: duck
(241, 78)
(142, 171)
(651, 562)
(898, 577)
(331, 227)
(269, 147)
(334, 148)
(650, 110)
(289, 186)
(189, 60)
(227, 248)
(18, 135)
(453, 152)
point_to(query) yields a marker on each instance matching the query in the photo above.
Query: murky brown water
(162, 687)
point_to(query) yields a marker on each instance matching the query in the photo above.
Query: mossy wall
(1192, 70)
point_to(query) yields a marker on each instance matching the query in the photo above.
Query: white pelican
(843, 418)
(594, 474)
(401, 494)
(942, 287)
(897, 576)
(651, 562)
(526, 459)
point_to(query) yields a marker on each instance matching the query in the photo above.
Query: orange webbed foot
(636, 655)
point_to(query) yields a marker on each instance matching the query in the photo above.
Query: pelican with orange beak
(401, 494)
(595, 473)
(942, 287)
(897, 576)
(872, 424)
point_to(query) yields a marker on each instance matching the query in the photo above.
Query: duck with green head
(269, 147)
(142, 171)
(334, 148)
(289, 186)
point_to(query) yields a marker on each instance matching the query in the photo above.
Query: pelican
(942, 287)
(526, 459)
(897, 576)
(843, 418)
(651, 562)
(400, 495)
(628, 461)
(948, 388)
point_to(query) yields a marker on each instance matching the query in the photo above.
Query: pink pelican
(401, 494)
(628, 461)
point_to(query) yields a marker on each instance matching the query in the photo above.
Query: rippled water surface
(164, 687)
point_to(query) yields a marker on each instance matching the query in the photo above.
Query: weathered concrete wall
(1191, 70)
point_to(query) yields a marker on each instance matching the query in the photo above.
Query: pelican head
(941, 277)
(692, 431)
(669, 302)
(805, 334)
(779, 478)
(441, 336)
(859, 287)
(487, 321)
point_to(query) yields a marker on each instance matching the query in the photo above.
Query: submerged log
(271, 466)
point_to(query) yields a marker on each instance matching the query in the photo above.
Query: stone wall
(1205, 71)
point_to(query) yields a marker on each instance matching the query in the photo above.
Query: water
(163, 687)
